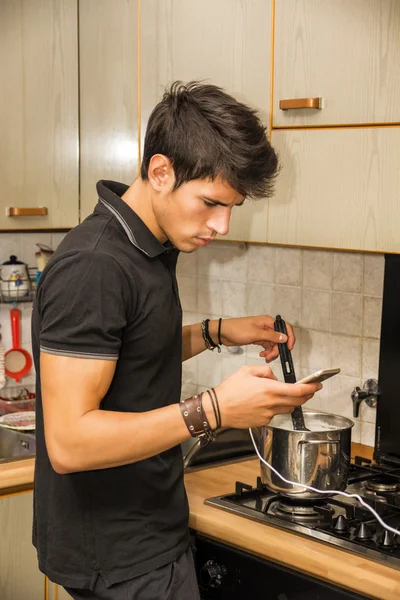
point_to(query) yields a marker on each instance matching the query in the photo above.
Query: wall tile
(232, 363)
(288, 266)
(370, 359)
(189, 318)
(233, 299)
(317, 269)
(209, 295)
(372, 316)
(356, 431)
(10, 243)
(234, 264)
(347, 272)
(346, 310)
(187, 264)
(188, 293)
(316, 310)
(338, 400)
(367, 413)
(374, 268)
(346, 354)
(189, 371)
(209, 369)
(287, 303)
(259, 299)
(315, 350)
(210, 260)
(261, 263)
(368, 434)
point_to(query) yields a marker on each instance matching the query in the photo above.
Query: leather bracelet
(191, 413)
(196, 420)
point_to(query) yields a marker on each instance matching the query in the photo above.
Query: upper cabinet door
(108, 56)
(38, 114)
(224, 42)
(339, 188)
(346, 52)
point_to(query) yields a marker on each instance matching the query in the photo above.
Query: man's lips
(203, 241)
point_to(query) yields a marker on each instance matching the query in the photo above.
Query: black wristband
(219, 422)
(219, 331)
(208, 341)
(214, 409)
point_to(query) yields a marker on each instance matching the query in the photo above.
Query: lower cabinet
(56, 592)
(20, 577)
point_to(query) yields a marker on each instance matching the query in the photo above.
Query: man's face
(192, 215)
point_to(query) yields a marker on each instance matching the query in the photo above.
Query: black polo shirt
(110, 293)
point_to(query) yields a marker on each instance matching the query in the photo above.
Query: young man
(111, 514)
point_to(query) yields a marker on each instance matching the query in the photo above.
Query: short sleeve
(83, 302)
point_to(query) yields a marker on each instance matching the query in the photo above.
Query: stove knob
(211, 574)
(341, 524)
(363, 533)
(387, 539)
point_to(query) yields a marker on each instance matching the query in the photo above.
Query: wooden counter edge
(16, 475)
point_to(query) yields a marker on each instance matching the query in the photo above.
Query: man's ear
(161, 173)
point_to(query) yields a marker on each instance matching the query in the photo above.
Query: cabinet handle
(39, 211)
(301, 103)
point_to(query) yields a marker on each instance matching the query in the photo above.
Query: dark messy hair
(206, 133)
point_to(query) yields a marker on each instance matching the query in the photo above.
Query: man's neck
(139, 197)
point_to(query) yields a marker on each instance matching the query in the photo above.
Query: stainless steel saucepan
(319, 458)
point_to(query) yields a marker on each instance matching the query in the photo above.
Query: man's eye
(208, 203)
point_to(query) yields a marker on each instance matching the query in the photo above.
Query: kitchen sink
(16, 444)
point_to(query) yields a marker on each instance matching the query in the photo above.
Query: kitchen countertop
(294, 551)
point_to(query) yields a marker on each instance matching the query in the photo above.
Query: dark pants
(175, 581)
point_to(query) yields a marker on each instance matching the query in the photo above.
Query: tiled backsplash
(22, 245)
(333, 299)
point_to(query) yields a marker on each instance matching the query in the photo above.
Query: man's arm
(79, 436)
(237, 332)
(192, 339)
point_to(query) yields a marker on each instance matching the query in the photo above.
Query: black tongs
(288, 373)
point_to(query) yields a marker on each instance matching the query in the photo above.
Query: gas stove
(337, 520)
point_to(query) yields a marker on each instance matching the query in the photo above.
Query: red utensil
(18, 362)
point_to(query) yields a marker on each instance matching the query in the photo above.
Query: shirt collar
(138, 233)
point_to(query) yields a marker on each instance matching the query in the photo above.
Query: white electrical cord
(330, 492)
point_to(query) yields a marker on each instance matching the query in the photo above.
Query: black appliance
(387, 433)
(225, 573)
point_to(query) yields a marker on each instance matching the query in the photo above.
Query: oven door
(225, 573)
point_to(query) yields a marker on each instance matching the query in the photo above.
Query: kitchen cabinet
(57, 592)
(345, 52)
(39, 114)
(338, 188)
(226, 43)
(108, 57)
(19, 572)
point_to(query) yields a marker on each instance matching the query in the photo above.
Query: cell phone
(319, 376)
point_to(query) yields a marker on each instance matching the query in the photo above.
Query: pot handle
(303, 442)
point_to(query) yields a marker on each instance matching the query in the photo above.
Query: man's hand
(252, 396)
(256, 330)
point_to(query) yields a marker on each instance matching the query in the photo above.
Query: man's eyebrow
(221, 203)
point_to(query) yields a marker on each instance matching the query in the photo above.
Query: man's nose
(220, 223)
